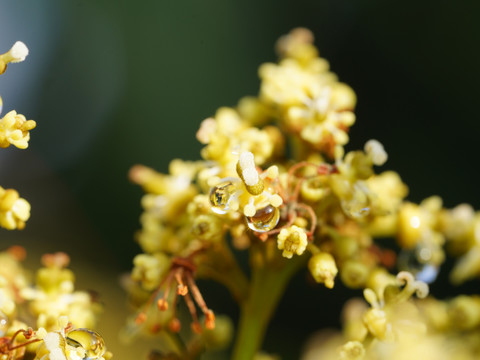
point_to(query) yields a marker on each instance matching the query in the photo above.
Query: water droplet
(221, 196)
(4, 324)
(417, 261)
(265, 219)
(90, 340)
(355, 209)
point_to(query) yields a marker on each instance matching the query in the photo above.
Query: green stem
(269, 281)
(175, 342)
(222, 267)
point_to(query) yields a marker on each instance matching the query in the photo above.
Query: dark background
(115, 83)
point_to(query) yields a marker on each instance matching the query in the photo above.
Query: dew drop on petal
(90, 340)
(4, 324)
(417, 262)
(265, 219)
(221, 196)
(355, 209)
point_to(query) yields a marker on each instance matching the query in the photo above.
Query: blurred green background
(115, 83)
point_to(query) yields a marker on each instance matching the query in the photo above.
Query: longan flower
(354, 196)
(253, 193)
(464, 312)
(323, 268)
(418, 223)
(297, 44)
(150, 269)
(55, 296)
(14, 130)
(221, 335)
(14, 210)
(377, 324)
(219, 134)
(248, 173)
(467, 267)
(292, 240)
(352, 350)
(17, 53)
(460, 226)
(387, 193)
(375, 150)
(259, 142)
(70, 344)
(354, 273)
(314, 105)
(392, 313)
(208, 228)
(254, 111)
(260, 193)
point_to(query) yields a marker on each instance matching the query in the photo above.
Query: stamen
(322, 169)
(193, 311)
(249, 209)
(313, 218)
(162, 303)
(17, 252)
(10, 348)
(9, 345)
(210, 320)
(197, 295)
(248, 172)
(57, 260)
(140, 319)
(196, 327)
(411, 286)
(174, 325)
(12, 339)
(182, 289)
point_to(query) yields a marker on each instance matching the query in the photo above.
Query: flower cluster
(49, 303)
(52, 301)
(276, 180)
(69, 343)
(14, 130)
(396, 326)
(54, 296)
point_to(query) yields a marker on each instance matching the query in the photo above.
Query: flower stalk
(270, 277)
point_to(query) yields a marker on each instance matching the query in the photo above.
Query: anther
(247, 171)
(174, 325)
(196, 327)
(210, 320)
(140, 319)
(182, 289)
(162, 304)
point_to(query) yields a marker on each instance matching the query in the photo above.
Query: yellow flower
(14, 211)
(14, 130)
(352, 350)
(292, 240)
(323, 268)
(150, 269)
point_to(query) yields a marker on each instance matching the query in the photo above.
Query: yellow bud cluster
(150, 269)
(54, 295)
(14, 210)
(14, 130)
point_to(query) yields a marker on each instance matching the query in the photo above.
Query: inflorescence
(275, 180)
(62, 315)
